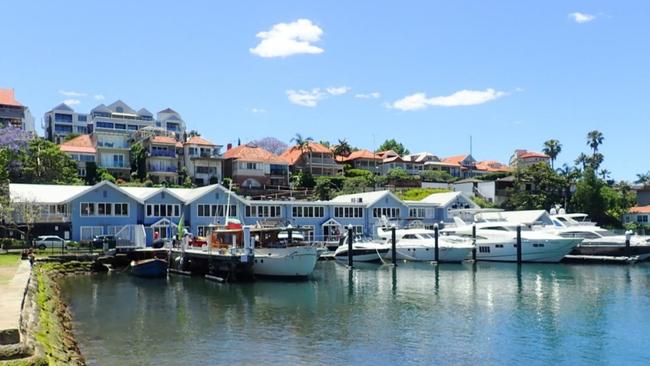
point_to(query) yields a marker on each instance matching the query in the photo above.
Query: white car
(49, 241)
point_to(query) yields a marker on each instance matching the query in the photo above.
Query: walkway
(11, 298)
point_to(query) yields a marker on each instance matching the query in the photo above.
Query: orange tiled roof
(79, 144)
(639, 209)
(387, 154)
(492, 166)
(7, 97)
(250, 152)
(198, 140)
(454, 159)
(531, 154)
(164, 140)
(360, 154)
(293, 154)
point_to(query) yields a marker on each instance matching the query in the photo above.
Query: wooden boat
(149, 268)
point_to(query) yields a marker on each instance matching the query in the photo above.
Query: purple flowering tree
(271, 144)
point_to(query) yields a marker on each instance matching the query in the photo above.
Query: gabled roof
(198, 140)
(125, 108)
(61, 107)
(294, 153)
(367, 198)
(639, 209)
(387, 154)
(359, 154)
(253, 153)
(456, 159)
(144, 193)
(44, 193)
(163, 140)
(7, 97)
(190, 195)
(492, 166)
(168, 110)
(101, 108)
(523, 154)
(101, 184)
(145, 112)
(421, 157)
(394, 159)
(80, 144)
(445, 198)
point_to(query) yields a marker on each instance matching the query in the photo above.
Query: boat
(363, 250)
(149, 268)
(497, 242)
(282, 252)
(418, 244)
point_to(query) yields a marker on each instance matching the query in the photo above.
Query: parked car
(99, 240)
(49, 241)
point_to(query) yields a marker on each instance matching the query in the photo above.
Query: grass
(9, 259)
(417, 194)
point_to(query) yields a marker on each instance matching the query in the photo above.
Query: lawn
(417, 194)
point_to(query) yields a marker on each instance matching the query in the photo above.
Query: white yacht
(283, 253)
(418, 244)
(497, 241)
(363, 250)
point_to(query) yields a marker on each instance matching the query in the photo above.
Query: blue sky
(530, 71)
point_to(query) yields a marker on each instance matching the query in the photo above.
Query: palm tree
(570, 175)
(582, 160)
(604, 173)
(343, 148)
(552, 148)
(594, 139)
(643, 178)
(302, 143)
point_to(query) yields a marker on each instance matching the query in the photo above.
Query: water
(458, 314)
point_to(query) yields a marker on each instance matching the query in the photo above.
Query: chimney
(229, 146)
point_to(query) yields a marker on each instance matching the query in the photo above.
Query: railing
(205, 155)
(113, 145)
(163, 169)
(165, 153)
(116, 166)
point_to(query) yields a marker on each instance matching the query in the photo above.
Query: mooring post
(628, 237)
(474, 240)
(350, 241)
(290, 233)
(518, 244)
(436, 234)
(393, 241)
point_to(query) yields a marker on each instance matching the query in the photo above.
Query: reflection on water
(416, 313)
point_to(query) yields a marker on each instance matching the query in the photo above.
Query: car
(49, 241)
(99, 240)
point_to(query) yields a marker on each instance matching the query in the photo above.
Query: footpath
(11, 300)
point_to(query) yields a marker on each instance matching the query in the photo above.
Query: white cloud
(286, 39)
(72, 102)
(339, 90)
(311, 98)
(460, 98)
(373, 95)
(258, 110)
(70, 93)
(99, 97)
(581, 17)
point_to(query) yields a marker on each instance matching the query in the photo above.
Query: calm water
(458, 314)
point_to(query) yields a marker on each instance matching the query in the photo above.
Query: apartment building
(82, 150)
(524, 158)
(253, 167)
(203, 160)
(61, 121)
(13, 113)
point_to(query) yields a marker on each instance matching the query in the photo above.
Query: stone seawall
(46, 326)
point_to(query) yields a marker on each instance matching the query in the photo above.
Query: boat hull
(612, 250)
(535, 251)
(149, 268)
(285, 262)
(419, 253)
(362, 255)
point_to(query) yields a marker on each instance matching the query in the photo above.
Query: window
(120, 126)
(119, 109)
(104, 209)
(87, 209)
(483, 249)
(351, 212)
(133, 127)
(101, 124)
(205, 210)
(642, 218)
(202, 230)
(263, 211)
(409, 236)
(390, 212)
(308, 211)
(121, 209)
(417, 212)
(81, 118)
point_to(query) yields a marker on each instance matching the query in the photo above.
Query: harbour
(415, 313)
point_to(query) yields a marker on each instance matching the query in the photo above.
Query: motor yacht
(363, 250)
(418, 244)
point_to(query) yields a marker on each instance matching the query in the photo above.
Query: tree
(304, 180)
(570, 175)
(537, 187)
(343, 148)
(643, 178)
(323, 189)
(587, 197)
(71, 136)
(324, 143)
(604, 174)
(105, 175)
(595, 138)
(42, 162)
(193, 133)
(392, 144)
(302, 143)
(595, 160)
(271, 144)
(552, 148)
(582, 160)
(138, 161)
(14, 138)
(91, 173)
(436, 176)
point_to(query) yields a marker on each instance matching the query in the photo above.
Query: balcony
(116, 166)
(205, 155)
(53, 218)
(163, 153)
(163, 169)
(113, 145)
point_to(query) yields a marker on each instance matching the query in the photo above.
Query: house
(251, 167)
(466, 165)
(315, 158)
(638, 214)
(397, 162)
(13, 113)
(169, 120)
(203, 160)
(492, 166)
(362, 159)
(62, 121)
(525, 158)
(162, 158)
(82, 150)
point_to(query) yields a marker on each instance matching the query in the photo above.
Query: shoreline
(47, 335)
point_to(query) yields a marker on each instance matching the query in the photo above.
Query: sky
(511, 74)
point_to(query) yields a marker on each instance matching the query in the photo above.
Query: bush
(148, 183)
(437, 176)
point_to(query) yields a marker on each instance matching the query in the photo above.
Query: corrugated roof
(198, 140)
(253, 153)
(79, 144)
(7, 97)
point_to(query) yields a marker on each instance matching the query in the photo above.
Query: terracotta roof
(79, 144)
(387, 154)
(530, 154)
(639, 209)
(198, 140)
(492, 166)
(7, 97)
(253, 153)
(164, 140)
(454, 159)
(360, 154)
(294, 153)
(393, 159)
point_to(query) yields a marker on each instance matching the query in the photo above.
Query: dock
(219, 264)
(601, 259)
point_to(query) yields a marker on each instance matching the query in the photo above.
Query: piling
(393, 240)
(436, 251)
(350, 241)
(628, 237)
(519, 244)
(290, 233)
(474, 239)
